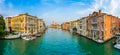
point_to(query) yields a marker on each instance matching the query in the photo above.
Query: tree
(2, 26)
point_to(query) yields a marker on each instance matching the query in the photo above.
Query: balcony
(94, 27)
(94, 21)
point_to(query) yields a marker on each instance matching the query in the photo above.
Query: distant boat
(117, 45)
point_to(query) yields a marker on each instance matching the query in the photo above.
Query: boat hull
(117, 46)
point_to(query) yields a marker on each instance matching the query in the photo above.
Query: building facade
(119, 25)
(102, 26)
(41, 26)
(74, 26)
(8, 24)
(25, 23)
(82, 26)
(55, 25)
(66, 26)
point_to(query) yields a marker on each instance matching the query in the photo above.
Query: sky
(58, 10)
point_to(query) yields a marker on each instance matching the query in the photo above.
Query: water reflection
(56, 42)
(2, 46)
(93, 48)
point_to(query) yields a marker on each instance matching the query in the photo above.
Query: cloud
(62, 10)
(7, 9)
(107, 6)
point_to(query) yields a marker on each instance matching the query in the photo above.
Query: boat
(28, 37)
(117, 45)
(117, 34)
(11, 36)
(38, 34)
(25, 34)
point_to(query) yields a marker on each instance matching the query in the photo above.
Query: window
(80, 21)
(80, 27)
(94, 19)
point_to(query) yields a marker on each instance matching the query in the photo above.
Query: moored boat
(10, 36)
(28, 37)
(117, 45)
(37, 34)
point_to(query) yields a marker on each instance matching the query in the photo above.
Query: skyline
(58, 10)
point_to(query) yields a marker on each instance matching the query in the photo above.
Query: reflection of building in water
(3, 45)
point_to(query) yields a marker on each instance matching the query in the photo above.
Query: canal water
(57, 42)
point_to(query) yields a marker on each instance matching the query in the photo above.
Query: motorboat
(28, 37)
(38, 34)
(11, 36)
(25, 34)
(117, 45)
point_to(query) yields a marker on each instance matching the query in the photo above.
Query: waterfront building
(55, 25)
(119, 25)
(25, 23)
(8, 24)
(41, 26)
(102, 26)
(59, 26)
(74, 26)
(66, 26)
(82, 26)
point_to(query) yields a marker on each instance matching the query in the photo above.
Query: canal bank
(57, 42)
(95, 40)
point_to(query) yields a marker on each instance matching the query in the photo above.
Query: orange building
(66, 26)
(119, 25)
(102, 26)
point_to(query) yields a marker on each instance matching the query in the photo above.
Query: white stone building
(82, 26)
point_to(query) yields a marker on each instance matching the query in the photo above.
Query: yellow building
(41, 26)
(74, 26)
(25, 23)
